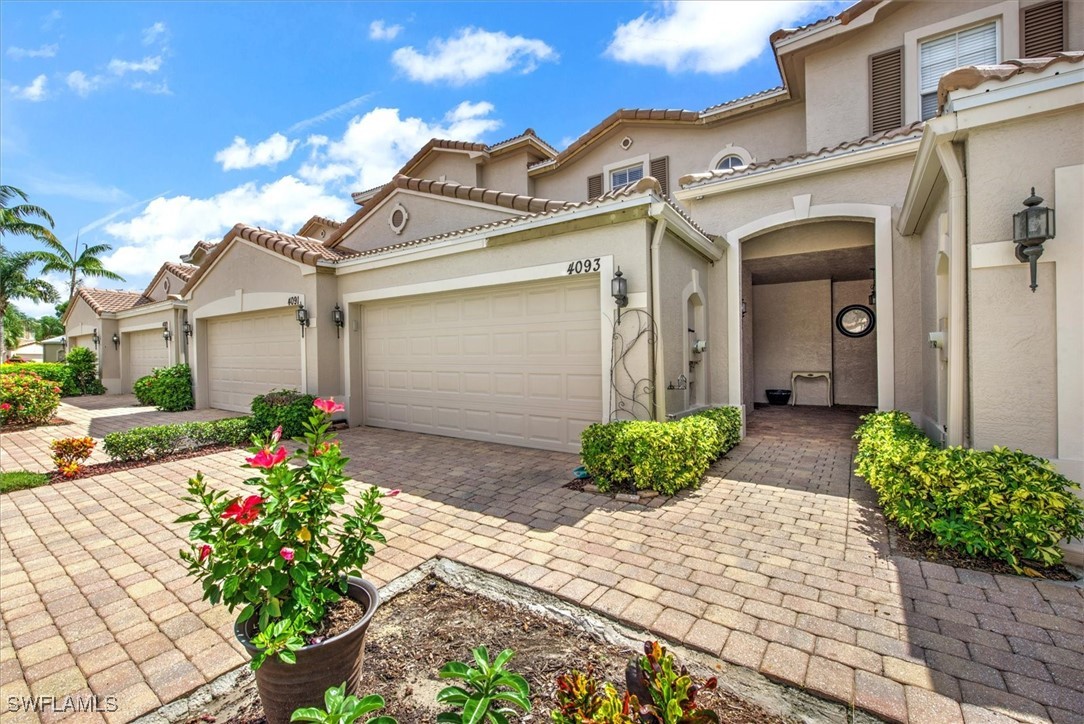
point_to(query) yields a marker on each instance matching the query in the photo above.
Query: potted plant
(289, 556)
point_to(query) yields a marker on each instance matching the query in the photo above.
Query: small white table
(796, 375)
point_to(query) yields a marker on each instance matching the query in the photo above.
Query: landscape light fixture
(302, 316)
(338, 316)
(96, 338)
(116, 341)
(166, 334)
(619, 288)
(1030, 228)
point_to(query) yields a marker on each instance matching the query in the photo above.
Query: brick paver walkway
(777, 563)
(93, 415)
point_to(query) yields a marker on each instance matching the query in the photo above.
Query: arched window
(729, 162)
(731, 157)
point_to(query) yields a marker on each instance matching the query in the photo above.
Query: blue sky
(149, 126)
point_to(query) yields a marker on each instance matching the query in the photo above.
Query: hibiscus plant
(283, 553)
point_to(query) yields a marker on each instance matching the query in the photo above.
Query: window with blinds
(974, 46)
(886, 90)
(624, 176)
(1042, 29)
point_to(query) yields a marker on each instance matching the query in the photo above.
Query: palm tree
(16, 282)
(75, 263)
(16, 220)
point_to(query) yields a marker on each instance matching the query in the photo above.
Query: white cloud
(51, 19)
(376, 145)
(472, 54)
(329, 114)
(168, 227)
(379, 30)
(268, 152)
(45, 51)
(689, 35)
(83, 84)
(150, 64)
(34, 92)
(154, 32)
(158, 89)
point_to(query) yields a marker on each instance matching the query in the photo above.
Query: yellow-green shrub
(1000, 503)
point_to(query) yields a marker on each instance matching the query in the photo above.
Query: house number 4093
(583, 266)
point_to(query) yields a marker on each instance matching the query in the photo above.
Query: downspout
(957, 338)
(659, 390)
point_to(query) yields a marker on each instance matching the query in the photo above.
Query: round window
(855, 320)
(729, 162)
(398, 218)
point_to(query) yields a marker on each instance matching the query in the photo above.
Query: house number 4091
(584, 266)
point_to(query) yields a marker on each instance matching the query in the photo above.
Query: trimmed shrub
(288, 408)
(998, 503)
(661, 456)
(84, 370)
(27, 399)
(69, 454)
(143, 389)
(58, 372)
(160, 440)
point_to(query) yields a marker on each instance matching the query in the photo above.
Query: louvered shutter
(886, 90)
(660, 169)
(1043, 29)
(594, 187)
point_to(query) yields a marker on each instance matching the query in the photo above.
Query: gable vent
(594, 187)
(886, 90)
(1043, 29)
(660, 169)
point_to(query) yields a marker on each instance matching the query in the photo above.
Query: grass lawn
(21, 480)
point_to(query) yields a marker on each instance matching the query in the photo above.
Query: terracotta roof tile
(719, 107)
(974, 75)
(844, 18)
(448, 189)
(911, 130)
(110, 300)
(183, 271)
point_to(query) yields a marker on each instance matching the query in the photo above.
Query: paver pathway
(777, 563)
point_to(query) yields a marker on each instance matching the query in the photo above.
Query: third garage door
(146, 352)
(250, 354)
(518, 364)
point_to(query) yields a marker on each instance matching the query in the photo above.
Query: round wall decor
(398, 218)
(626, 143)
(855, 320)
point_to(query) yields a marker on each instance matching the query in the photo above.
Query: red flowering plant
(283, 553)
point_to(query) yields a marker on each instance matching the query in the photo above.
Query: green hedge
(58, 372)
(661, 456)
(288, 408)
(160, 440)
(169, 389)
(999, 503)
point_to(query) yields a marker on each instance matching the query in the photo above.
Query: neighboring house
(847, 236)
(133, 333)
(53, 348)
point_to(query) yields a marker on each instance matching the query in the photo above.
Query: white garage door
(146, 351)
(250, 354)
(515, 364)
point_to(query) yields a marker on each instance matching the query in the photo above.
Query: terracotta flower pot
(286, 687)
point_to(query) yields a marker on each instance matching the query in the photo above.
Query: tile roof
(844, 18)
(527, 135)
(110, 300)
(199, 246)
(720, 107)
(448, 189)
(974, 75)
(911, 130)
(183, 271)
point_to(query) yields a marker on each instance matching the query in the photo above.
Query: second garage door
(250, 354)
(147, 351)
(515, 364)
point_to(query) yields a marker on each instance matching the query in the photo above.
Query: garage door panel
(147, 351)
(516, 364)
(251, 354)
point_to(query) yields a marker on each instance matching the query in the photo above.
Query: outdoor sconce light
(338, 316)
(1030, 228)
(873, 289)
(619, 288)
(96, 338)
(302, 316)
(166, 334)
(186, 328)
(116, 341)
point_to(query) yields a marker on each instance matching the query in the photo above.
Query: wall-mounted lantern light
(873, 288)
(116, 341)
(338, 316)
(619, 288)
(744, 309)
(97, 340)
(302, 316)
(186, 328)
(166, 334)
(1030, 228)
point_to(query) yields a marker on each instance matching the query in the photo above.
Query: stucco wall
(806, 238)
(769, 134)
(792, 331)
(935, 313)
(854, 359)
(449, 166)
(683, 272)
(508, 173)
(158, 292)
(427, 215)
(79, 330)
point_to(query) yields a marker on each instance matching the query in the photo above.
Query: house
(132, 333)
(847, 236)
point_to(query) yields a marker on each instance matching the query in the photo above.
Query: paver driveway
(777, 563)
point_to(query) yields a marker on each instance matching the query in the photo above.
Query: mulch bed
(52, 422)
(416, 633)
(115, 466)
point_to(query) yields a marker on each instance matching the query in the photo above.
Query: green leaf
(453, 696)
(309, 713)
(454, 670)
(475, 709)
